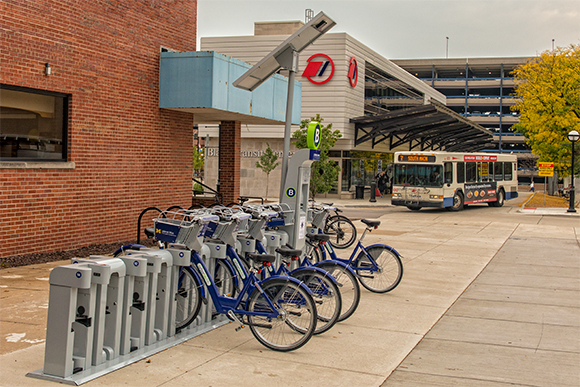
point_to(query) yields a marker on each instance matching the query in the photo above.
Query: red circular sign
(353, 72)
(317, 70)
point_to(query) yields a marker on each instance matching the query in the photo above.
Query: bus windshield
(419, 175)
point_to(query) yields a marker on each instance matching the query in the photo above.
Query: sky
(411, 29)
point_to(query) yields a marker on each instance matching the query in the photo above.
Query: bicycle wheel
(317, 255)
(326, 295)
(297, 317)
(188, 298)
(341, 230)
(347, 285)
(225, 279)
(389, 273)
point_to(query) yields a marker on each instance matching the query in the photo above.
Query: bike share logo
(291, 192)
(319, 70)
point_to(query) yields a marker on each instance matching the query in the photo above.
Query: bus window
(461, 172)
(470, 172)
(483, 170)
(498, 171)
(448, 172)
(507, 171)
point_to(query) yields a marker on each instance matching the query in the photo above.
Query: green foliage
(324, 173)
(198, 188)
(198, 161)
(549, 90)
(268, 162)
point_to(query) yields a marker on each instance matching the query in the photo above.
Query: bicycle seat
(318, 237)
(261, 257)
(150, 232)
(371, 223)
(288, 252)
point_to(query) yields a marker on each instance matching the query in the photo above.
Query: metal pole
(545, 184)
(288, 123)
(572, 191)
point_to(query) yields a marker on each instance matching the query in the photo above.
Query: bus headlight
(396, 195)
(435, 196)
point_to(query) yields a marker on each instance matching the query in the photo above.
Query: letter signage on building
(353, 72)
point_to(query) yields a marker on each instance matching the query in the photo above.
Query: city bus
(453, 180)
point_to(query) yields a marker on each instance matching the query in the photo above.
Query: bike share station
(106, 313)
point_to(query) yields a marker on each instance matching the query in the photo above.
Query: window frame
(66, 100)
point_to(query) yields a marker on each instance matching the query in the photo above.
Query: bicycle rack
(106, 313)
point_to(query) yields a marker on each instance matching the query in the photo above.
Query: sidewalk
(489, 297)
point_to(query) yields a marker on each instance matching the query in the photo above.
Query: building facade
(340, 76)
(84, 145)
(481, 89)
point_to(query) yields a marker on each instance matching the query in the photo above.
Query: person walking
(532, 186)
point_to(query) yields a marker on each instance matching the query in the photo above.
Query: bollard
(373, 192)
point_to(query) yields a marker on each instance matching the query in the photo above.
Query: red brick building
(84, 144)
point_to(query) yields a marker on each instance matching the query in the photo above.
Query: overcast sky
(411, 29)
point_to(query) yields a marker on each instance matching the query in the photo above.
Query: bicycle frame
(327, 248)
(224, 304)
(307, 264)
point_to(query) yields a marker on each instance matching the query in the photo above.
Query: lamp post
(573, 136)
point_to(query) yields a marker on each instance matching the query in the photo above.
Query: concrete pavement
(489, 297)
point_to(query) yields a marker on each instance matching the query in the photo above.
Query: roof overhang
(427, 127)
(201, 82)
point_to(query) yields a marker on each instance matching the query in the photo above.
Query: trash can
(360, 192)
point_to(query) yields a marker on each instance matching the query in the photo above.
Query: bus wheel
(414, 208)
(457, 202)
(500, 199)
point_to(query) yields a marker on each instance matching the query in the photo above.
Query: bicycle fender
(291, 279)
(316, 269)
(347, 267)
(200, 281)
(388, 248)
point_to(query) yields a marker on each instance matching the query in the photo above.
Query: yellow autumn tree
(548, 88)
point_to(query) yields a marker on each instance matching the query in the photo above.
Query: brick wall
(230, 146)
(128, 153)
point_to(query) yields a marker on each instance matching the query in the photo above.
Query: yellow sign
(546, 169)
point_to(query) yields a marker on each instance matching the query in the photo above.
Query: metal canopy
(426, 127)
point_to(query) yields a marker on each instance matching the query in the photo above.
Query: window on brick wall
(33, 124)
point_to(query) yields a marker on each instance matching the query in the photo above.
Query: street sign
(546, 169)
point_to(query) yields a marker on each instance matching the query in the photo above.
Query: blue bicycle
(378, 267)
(279, 310)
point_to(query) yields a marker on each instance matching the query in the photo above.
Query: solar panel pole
(292, 68)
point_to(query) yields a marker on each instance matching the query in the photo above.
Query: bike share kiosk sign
(297, 185)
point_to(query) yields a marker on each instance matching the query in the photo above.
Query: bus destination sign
(479, 158)
(417, 158)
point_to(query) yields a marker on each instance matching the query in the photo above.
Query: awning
(426, 127)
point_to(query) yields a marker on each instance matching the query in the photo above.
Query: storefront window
(32, 124)
(365, 167)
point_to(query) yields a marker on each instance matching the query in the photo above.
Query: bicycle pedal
(232, 316)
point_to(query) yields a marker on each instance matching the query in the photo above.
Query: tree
(324, 173)
(549, 90)
(198, 161)
(268, 162)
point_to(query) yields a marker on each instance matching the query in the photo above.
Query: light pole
(573, 136)
(447, 47)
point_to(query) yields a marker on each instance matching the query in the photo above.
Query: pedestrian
(532, 186)
(382, 181)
